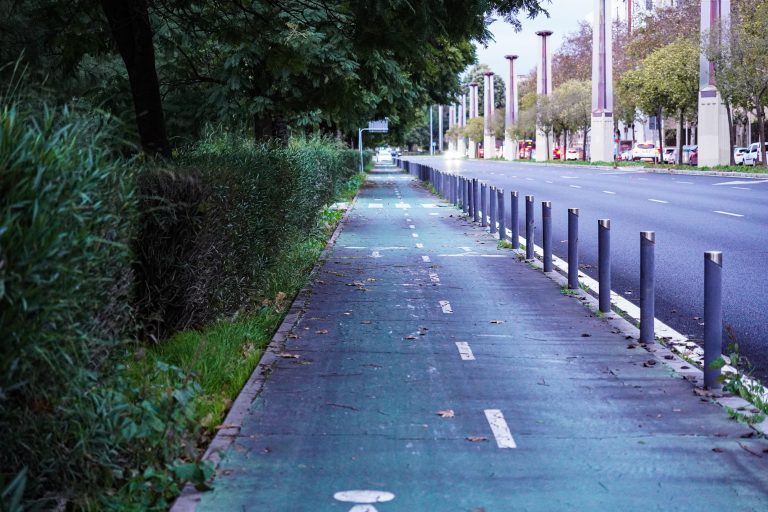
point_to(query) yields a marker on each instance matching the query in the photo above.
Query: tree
(475, 74)
(132, 33)
(667, 81)
(573, 60)
(475, 129)
(573, 106)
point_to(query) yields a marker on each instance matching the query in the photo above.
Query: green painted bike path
(418, 336)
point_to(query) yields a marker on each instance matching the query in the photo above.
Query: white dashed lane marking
(375, 254)
(729, 213)
(575, 186)
(425, 259)
(415, 235)
(741, 188)
(446, 307)
(658, 201)
(419, 246)
(500, 429)
(434, 277)
(375, 205)
(412, 226)
(465, 352)
(609, 192)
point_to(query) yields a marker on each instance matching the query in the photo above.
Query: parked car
(753, 155)
(557, 154)
(573, 154)
(687, 149)
(693, 156)
(670, 155)
(480, 152)
(738, 155)
(384, 155)
(645, 151)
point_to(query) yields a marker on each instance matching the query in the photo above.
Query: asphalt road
(690, 215)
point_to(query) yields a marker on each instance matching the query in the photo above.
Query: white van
(753, 156)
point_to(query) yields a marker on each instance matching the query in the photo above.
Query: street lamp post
(489, 139)
(510, 118)
(601, 149)
(543, 88)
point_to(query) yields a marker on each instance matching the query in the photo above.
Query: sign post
(375, 126)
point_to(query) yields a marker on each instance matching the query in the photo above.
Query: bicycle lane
(435, 372)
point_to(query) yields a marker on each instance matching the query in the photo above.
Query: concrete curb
(189, 498)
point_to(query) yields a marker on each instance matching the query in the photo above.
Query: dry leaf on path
(448, 413)
(321, 331)
(286, 355)
(476, 439)
(497, 321)
(226, 425)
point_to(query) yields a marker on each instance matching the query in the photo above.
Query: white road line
(465, 249)
(419, 246)
(425, 259)
(684, 182)
(402, 206)
(375, 254)
(741, 188)
(547, 181)
(464, 351)
(412, 226)
(609, 192)
(729, 213)
(446, 307)
(415, 235)
(658, 201)
(428, 205)
(500, 429)
(375, 205)
(528, 179)
(751, 182)
(575, 186)
(570, 177)
(434, 214)
(434, 277)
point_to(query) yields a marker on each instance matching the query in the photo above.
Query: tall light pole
(510, 117)
(440, 128)
(601, 149)
(462, 142)
(489, 139)
(714, 135)
(472, 115)
(543, 88)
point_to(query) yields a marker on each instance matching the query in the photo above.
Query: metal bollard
(492, 208)
(529, 223)
(471, 192)
(514, 224)
(464, 205)
(573, 248)
(468, 196)
(647, 286)
(713, 316)
(604, 263)
(546, 225)
(500, 214)
(483, 204)
(475, 200)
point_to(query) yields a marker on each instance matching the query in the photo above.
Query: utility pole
(431, 143)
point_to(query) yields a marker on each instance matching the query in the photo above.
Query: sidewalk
(446, 375)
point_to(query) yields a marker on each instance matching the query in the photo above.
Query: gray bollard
(573, 248)
(475, 200)
(500, 214)
(546, 226)
(529, 223)
(514, 213)
(713, 316)
(492, 208)
(604, 263)
(483, 204)
(470, 198)
(647, 286)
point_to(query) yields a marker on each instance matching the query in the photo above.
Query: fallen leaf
(649, 363)
(321, 331)
(669, 357)
(286, 355)
(631, 345)
(410, 337)
(717, 450)
(226, 425)
(448, 413)
(498, 321)
(365, 322)
(476, 439)
(292, 336)
(586, 335)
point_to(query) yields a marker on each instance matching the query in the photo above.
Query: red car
(557, 154)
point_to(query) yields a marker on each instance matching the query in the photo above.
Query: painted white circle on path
(364, 496)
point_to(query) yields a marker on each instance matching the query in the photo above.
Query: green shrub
(213, 224)
(66, 205)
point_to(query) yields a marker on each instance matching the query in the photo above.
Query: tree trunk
(584, 146)
(680, 139)
(731, 133)
(761, 129)
(132, 33)
(660, 130)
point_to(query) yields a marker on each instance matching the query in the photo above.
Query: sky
(564, 16)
